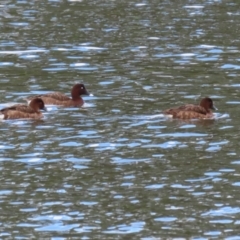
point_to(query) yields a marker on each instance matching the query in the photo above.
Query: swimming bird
(191, 111)
(58, 98)
(19, 111)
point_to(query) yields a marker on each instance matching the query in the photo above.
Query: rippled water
(116, 168)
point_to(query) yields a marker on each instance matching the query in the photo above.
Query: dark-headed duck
(58, 98)
(191, 111)
(19, 111)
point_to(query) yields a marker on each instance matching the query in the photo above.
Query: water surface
(117, 168)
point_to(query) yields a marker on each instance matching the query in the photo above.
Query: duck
(21, 111)
(191, 111)
(58, 98)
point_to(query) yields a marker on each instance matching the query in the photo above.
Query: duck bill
(87, 93)
(44, 109)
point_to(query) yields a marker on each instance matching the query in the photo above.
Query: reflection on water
(117, 168)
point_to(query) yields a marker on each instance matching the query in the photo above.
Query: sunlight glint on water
(117, 167)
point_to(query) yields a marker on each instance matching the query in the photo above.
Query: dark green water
(116, 169)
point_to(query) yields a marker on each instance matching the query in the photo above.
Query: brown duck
(191, 111)
(58, 98)
(19, 111)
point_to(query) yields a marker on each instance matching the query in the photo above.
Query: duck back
(191, 115)
(187, 108)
